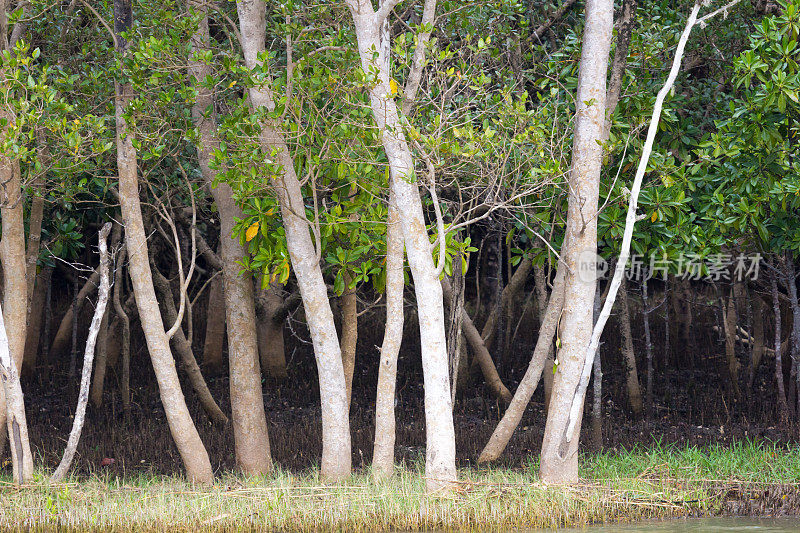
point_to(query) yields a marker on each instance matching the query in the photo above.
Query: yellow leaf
(393, 86)
(251, 231)
(231, 84)
(654, 216)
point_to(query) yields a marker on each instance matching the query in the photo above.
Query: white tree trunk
(383, 451)
(559, 460)
(440, 468)
(250, 434)
(182, 428)
(88, 358)
(305, 263)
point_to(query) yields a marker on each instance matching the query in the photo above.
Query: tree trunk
(86, 373)
(125, 324)
(440, 468)
(791, 283)
(758, 343)
(628, 353)
(783, 408)
(559, 458)
(304, 257)
(730, 321)
(482, 355)
(14, 410)
(12, 256)
(247, 401)
(215, 327)
(383, 451)
(184, 432)
(349, 309)
(35, 318)
(648, 347)
(183, 348)
(101, 360)
(541, 300)
(505, 429)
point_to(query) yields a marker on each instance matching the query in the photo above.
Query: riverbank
(660, 482)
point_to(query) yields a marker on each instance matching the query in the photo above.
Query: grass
(636, 484)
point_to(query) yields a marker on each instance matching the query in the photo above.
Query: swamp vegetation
(397, 265)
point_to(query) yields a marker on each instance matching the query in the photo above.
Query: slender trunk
(215, 327)
(184, 432)
(505, 429)
(183, 348)
(349, 310)
(440, 468)
(101, 360)
(336, 460)
(729, 325)
(15, 299)
(783, 408)
(628, 353)
(247, 402)
(88, 356)
(758, 344)
(455, 319)
(125, 324)
(625, 22)
(35, 319)
(541, 300)
(559, 457)
(383, 451)
(648, 343)
(791, 283)
(482, 355)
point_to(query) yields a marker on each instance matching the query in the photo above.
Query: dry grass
(622, 487)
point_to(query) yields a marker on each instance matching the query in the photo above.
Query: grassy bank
(617, 486)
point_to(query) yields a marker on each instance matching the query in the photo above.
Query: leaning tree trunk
(631, 374)
(440, 468)
(336, 460)
(101, 359)
(482, 355)
(247, 402)
(184, 432)
(184, 350)
(383, 450)
(64, 332)
(88, 356)
(538, 364)
(559, 457)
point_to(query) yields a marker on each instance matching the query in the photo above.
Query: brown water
(701, 525)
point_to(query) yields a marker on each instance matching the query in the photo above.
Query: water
(701, 525)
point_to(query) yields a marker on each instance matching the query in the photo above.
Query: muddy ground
(691, 407)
